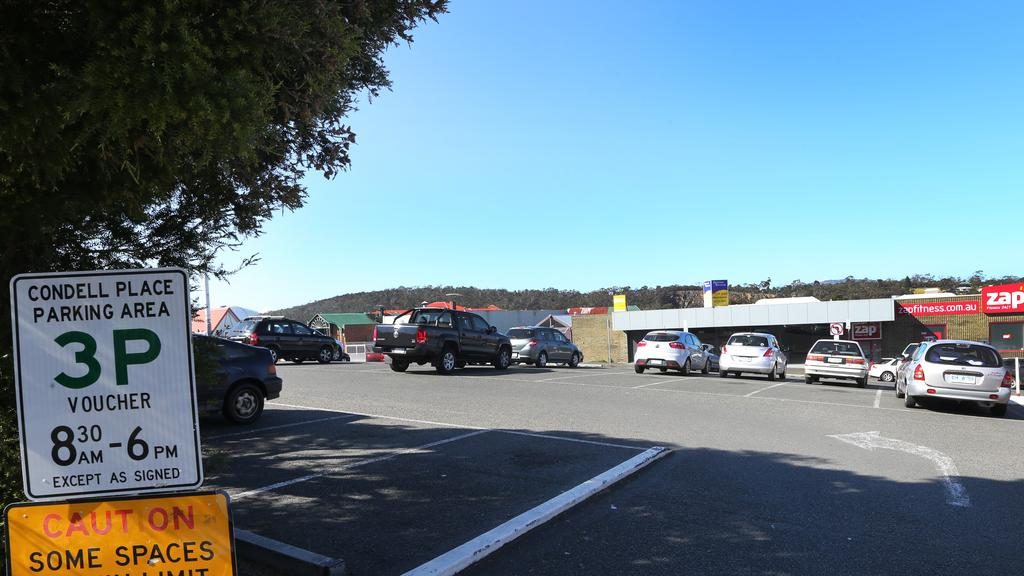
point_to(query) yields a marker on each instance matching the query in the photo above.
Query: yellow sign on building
(619, 303)
(188, 534)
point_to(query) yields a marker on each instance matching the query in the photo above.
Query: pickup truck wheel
(503, 359)
(398, 365)
(326, 355)
(446, 362)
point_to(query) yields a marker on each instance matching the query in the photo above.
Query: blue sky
(586, 144)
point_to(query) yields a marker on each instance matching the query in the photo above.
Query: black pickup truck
(448, 339)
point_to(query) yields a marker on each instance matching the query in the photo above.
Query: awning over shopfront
(764, 314)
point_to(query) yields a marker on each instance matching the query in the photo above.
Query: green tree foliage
(159, 133)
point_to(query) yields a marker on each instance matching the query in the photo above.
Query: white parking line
(255, 431)
(755, 392)
(416, 450)
(659, 382)
(557, 378)
(878, 398)
(483, 429)
(458, 559)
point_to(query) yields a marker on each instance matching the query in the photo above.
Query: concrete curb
(285, 559)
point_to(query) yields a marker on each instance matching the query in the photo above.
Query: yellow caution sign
(619, 303)
(188, 535)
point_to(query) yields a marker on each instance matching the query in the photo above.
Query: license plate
(654, 361)
(960, 379)
(398, 351)
(835, 360)
(742, 359)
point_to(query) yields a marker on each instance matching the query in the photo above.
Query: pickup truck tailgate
(396, 336)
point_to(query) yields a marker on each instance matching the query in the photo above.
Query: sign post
(105, 383)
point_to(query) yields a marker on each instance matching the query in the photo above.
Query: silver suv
(538, 345)
(958, 370)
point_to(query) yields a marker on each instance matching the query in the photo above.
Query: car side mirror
(491, 330)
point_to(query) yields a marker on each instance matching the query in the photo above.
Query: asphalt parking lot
(389, 471)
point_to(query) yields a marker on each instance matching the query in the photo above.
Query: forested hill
(646, 297)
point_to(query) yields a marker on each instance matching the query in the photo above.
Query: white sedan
(884, 370)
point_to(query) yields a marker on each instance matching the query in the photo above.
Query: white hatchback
(753, 352)
(671, 350)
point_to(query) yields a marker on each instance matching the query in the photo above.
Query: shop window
(1007, 336)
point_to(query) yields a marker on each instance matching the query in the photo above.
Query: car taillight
(816, 357)
(724, 350)
(253, 339)
(641, 344)
(374, 334)
(769, 353)
(676, 345)
(854, 360)
(918, 373)
(530, 344)
(1007, 380)
(421, 335)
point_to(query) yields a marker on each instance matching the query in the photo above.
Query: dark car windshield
(521, 333)
(661, 337)
(963, 355)
(748, 340)
(840, 348)
(431, 317)
(244, 326)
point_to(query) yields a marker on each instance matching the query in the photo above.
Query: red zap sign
(867, 331)
(1001, 299)
(937, 308)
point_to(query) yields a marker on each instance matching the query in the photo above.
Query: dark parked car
(538, 345)
(286, 339)
(234, 379)
(447, 339)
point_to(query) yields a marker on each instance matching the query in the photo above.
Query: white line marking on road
(878, 398)
(557, 378)
(565, 439)
(467, 427)
(415, 450)
(659, 382)
(766, 388)
(256, 431)
(956, 494)
(458, 559)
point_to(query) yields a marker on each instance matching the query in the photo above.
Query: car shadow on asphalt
(700, 510)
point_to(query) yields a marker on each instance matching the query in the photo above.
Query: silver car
(671, 350)
(753, 352)
(958, 370)
(842, 359)
(538, 346)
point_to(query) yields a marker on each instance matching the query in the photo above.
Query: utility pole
(209, 326)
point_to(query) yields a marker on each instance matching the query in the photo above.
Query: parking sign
(105, 383)
(835, 329)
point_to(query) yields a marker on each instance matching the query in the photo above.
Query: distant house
(344, 326)
(560, 322)
(222, 319)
